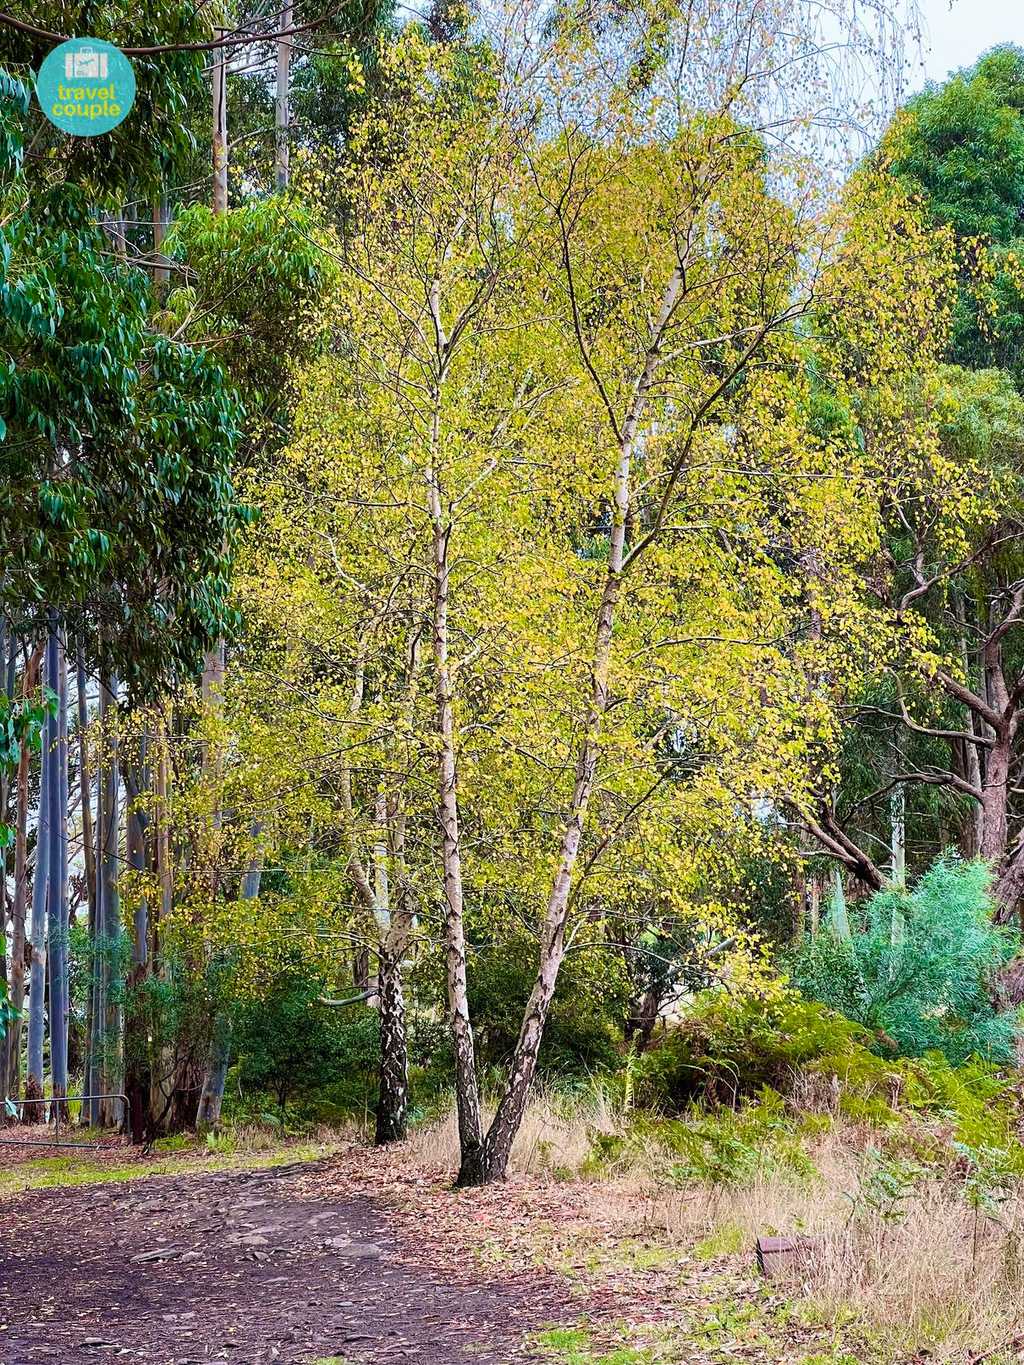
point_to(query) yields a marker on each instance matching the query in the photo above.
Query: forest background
(515, 576)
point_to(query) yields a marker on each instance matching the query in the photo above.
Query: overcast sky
(956, 34)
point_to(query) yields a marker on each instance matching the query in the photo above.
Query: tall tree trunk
(56, 862)
(212, 1076)
(211, 1085)
(19, 908)
(106, 1040)
(467, 1091)
(7, 646)
(975, 833)
(88, 852)
(220, 125)
(107, 871)
(1007, 862)
(281, 111)
(63, 849)
(212, 1097)
(137, 1066)
(161, 273)
(164, 1069)
(898, 833)
(37, 970)
(814, 905)
(215, 1076)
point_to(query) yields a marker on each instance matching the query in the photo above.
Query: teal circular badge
(86, 86)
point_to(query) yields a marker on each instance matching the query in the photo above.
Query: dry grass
(929, 1277)
(922, 1269)
(557, 1134)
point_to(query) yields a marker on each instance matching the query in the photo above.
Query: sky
(955, 35)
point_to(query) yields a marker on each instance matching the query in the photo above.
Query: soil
(249, 1266)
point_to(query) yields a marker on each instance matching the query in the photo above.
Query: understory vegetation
(898, 1179)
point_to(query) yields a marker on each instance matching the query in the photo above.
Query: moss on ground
(71, 1168)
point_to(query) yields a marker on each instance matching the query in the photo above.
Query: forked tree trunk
(489, 1159)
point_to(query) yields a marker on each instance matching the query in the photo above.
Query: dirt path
(243, 1266)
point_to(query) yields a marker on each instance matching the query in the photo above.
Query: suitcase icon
(85, 64)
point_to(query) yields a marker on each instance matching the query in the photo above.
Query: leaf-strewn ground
(249, 1266)
(370, 1256)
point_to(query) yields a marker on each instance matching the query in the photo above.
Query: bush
(585, 1027)
(739, 1053)
(918, 968)
(289, 1045)
(732, 1147)
(726, 1049)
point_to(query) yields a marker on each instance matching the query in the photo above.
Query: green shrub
(743, 1055)
(918, 967)
(585, 1027)
(288, 1045)
(727, 1048)
(731, 1147)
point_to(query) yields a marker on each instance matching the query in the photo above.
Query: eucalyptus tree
(21, 728)
(942, 723)
(959, 145)
(117, 448)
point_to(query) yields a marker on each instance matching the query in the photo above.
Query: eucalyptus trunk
(105, 1069)
(8, 661)
(19, 905)
(54, 758)
(85, 787)
(4, 890)
(137, 1065)
(282, 117)
(37, 938)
